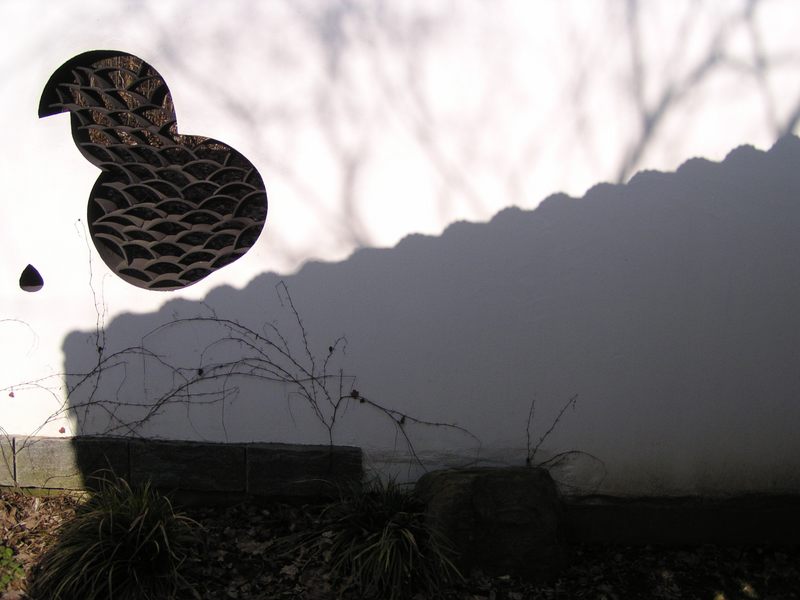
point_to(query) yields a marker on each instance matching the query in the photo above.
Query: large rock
(502, 521)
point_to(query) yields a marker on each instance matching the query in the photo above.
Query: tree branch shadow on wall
(668, 304)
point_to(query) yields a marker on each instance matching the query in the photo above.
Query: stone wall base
(211, 473)
(194, 470)
(741, 520)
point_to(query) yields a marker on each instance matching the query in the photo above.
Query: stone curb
(197, 468)
(748, 519)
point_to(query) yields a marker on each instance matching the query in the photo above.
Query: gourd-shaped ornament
(167, 209)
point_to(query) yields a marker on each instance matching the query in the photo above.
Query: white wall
(666, 305)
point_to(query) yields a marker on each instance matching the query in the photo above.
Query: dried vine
(265, 355)
(559, 457)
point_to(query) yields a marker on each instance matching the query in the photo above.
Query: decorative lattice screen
(168, 209)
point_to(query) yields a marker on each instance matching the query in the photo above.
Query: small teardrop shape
(30, 280)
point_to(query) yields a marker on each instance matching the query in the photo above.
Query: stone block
(308, 471)
(197, 466)
(6, 461)
(68, 463)
(503, 521)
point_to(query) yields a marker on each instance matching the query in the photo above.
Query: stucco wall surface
(406, 151)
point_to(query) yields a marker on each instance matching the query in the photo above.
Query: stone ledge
(7, 471)
(67, 463)
(289, 470)
(740, 520)
(194, 466)
(191, 469)
(752, 519)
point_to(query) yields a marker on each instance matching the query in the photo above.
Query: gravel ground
(240, 558)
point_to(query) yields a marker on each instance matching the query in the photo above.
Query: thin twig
(532, 454)
(265, 356)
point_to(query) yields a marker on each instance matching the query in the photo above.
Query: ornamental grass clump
(124, 543)
(381, 543)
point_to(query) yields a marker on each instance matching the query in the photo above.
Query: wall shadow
(668, 304)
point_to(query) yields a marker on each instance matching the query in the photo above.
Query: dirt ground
(239, 558)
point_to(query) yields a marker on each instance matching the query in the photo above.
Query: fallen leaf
(252, 546)
(290, 571)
